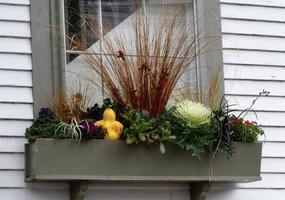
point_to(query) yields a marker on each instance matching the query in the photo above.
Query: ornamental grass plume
(209, 96)
(71, 105)
(193, 113)
(141, 68)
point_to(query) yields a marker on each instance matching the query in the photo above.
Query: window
(119, 18)
(56, 63)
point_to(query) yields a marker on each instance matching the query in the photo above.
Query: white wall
(16, 103)
(254, 59)
(253, 41)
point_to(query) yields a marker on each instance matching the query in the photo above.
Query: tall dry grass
(141, 68)
(208, 96)
(71, 105)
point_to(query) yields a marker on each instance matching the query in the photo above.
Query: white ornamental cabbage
(193, 113)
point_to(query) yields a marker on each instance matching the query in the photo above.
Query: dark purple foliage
(90, 130)
(45, 111)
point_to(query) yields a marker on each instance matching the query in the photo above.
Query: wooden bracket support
(77, 190)
(199, 190)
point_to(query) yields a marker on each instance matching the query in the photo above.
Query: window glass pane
(80, 16)
(115, 12)
(118, 17)
(164, 11)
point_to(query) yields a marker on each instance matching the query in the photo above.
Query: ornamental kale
(193, 113)
(196, 138)
(45, 126)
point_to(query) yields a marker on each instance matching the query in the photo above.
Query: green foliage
(212, 130)
(245, 131)
(194, 138)
(45, 126)
(148, 131)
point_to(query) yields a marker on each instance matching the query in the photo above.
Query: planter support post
(77, 190)
(199, 190)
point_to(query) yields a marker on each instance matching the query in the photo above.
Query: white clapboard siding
(15, 45)
(18, 2)
(269, 180)
(15, 61)
(253, 27)
(253, 38)
(102, 192)
(263, 103)
(15, 78)
(260, 13)
(12, 144)
(16, 94)
(94, 194)
(254, 43)
(246, 194)
(251, 87)
(15, 29)
(10, 161)
(270, 118)
(16, 111)
(254, 72)
(273, 149)
(272, 3)
(275, 165)
(273, 134)
(18, 127)
(15, 179)
(34, 194)
(14, 12)
(254, 57)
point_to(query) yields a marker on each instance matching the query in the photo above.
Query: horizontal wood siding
(254, 59)
(16, 97)
(16, 104)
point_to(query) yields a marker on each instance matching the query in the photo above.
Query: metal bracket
(199, 190)
(77, 190)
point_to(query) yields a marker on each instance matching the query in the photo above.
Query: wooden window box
(101, 160)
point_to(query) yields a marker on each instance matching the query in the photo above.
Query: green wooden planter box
(101, 160)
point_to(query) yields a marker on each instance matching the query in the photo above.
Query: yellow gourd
(113, 129)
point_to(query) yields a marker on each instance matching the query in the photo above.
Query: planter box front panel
(102, 160)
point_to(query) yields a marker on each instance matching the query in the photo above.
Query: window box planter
(101, 160)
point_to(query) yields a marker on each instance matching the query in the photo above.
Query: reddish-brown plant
(142, 68)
